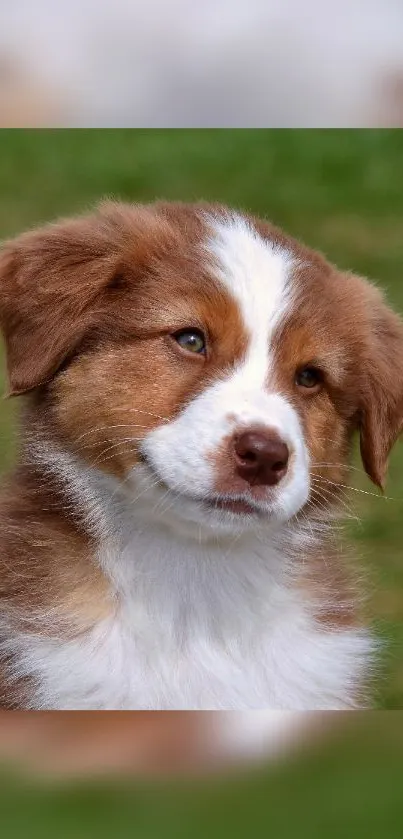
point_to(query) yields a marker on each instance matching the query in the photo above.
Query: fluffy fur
(139, 568)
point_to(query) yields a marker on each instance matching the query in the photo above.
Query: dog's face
(211, 363)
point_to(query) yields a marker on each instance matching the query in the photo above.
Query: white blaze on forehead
(256, 272)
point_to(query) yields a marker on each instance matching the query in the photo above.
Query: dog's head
(203, 356)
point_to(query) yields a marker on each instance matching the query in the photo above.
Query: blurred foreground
(339, 775)
(220, 62)
(57, 745)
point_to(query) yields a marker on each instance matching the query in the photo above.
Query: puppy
(192, 382)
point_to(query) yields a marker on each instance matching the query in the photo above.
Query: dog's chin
(217, 515)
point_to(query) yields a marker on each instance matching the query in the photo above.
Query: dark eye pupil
(308, 377)
(191, 340)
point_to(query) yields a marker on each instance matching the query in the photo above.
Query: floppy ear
(381, 416)
(50, 281)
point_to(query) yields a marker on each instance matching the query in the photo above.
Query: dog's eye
(191, 340)
(308, 377)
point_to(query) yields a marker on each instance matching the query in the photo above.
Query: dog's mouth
(237, 506)
(232, 505)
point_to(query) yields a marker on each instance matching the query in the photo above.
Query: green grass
(340, 191)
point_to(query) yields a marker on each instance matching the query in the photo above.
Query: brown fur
(48, 576)
(359, 350)
(87, 332)
(48, 557)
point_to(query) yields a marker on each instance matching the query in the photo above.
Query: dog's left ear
(381, 388)
(51, 280)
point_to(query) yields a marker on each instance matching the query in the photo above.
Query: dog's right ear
(381, 388)
(50, 283)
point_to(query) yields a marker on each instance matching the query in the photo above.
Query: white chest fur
(198, 629)
(210, 625)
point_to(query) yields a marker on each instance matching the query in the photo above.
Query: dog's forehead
(218, 261)
(235, 272)
(255, 271)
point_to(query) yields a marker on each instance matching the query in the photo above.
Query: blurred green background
(345, 783)
(340, 191)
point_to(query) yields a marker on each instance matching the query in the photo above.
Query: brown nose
(261, 457)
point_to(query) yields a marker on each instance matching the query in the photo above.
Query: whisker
(332, 497)
(339, 465)
(159, 505)
(355, 489)
(126, 480)
(328, 440)
(144, 491)
(161, 509)
(306, 522)
(117, 443)
(146, 413)
(108, 428)
(100, 459)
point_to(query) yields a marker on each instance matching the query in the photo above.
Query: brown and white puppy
(193, 379)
